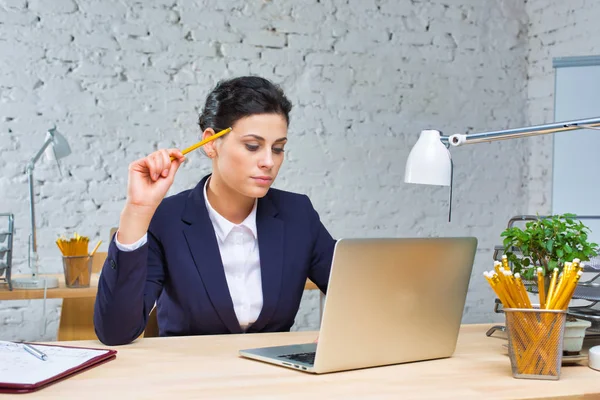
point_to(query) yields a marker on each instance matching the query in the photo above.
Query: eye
(278, 150)
(251, 147)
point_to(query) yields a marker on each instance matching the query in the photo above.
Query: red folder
(8, 387)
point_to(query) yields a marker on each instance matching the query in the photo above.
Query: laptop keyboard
(308, 358)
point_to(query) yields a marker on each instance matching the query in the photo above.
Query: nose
(266, 160)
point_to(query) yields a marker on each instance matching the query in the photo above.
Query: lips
(263, 180)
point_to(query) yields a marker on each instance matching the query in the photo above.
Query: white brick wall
(561, 30)
(365, 78)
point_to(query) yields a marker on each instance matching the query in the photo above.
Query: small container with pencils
(77, 262)
(535, 332)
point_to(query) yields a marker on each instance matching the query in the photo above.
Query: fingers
(155, 164)
(160, 164)
(178, 159)
(166, 162)
(176, 154)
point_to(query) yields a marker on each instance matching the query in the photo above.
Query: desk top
(61, 292)
(209, 367)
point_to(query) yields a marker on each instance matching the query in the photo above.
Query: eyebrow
(262, 139)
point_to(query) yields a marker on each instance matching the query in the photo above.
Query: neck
(233, 206)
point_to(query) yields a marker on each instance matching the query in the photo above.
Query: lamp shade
(59, 147)
(429, 161)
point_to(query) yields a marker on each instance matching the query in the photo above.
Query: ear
(209, 148)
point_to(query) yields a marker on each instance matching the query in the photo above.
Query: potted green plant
(549, 242)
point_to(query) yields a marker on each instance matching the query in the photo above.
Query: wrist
(138, 211)
(134, 223)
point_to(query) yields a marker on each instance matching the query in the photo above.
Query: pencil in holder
(535, 342)
(78, 271)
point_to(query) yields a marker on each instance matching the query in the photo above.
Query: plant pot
(574, 334)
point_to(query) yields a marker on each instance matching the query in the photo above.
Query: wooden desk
(61, 292)
(209, 367)
(77, 312)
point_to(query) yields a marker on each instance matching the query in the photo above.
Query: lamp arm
(460, 139)
(37, 156)
(32, 256)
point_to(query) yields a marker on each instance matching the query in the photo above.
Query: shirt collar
(222, 225)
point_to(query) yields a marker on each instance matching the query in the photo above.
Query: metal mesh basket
(535, 342)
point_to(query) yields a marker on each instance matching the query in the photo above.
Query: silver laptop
(389, 301)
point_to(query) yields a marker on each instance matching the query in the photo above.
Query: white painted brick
(53, 7)
(238, 67)
(126, 29)
(196, 16)
(286, 24)
(11, 17)
(307, 42)
(360, 41)
(321, 58)
(412, 38)
(153, 16)
(312, 14)
(216, 35)
(362, 6)
(285, 70)
(168, 33)
(198, 49)
(86, 69)
(207, 69)
(265, 39)
(261, 69)
(14, 4)
(246, 25)
(95, 41)
(184, 76)
(146, 44)
(244, 52)
(397, 8)
(284, 56)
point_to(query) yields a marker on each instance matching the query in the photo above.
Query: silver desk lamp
(55, 147)
(429, 161)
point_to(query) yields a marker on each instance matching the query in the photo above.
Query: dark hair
(241, 97)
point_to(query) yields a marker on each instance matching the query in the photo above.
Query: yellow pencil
(522, 291)
(552, 287)
(203, 142)
(505, 263)
(563, 302)
(509, 280)
(95, 248)
(541, 287)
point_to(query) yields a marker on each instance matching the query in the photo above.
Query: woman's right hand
(151, 177)
(148, 182)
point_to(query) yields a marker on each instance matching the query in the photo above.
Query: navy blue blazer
(180, 269)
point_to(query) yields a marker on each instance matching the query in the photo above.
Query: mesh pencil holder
(535, 342)
(78, 270)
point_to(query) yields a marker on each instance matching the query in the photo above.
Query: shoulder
(170, 208)
(285, 200)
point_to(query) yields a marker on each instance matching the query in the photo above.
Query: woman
(231, 255)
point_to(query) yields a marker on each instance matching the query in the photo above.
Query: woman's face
(248, 158)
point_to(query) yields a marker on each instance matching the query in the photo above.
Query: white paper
(20, 367)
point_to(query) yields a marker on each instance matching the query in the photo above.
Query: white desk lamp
(430, 163)
(55, 147)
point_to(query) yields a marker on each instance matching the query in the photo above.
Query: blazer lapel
(202, 242)
(270, 247)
